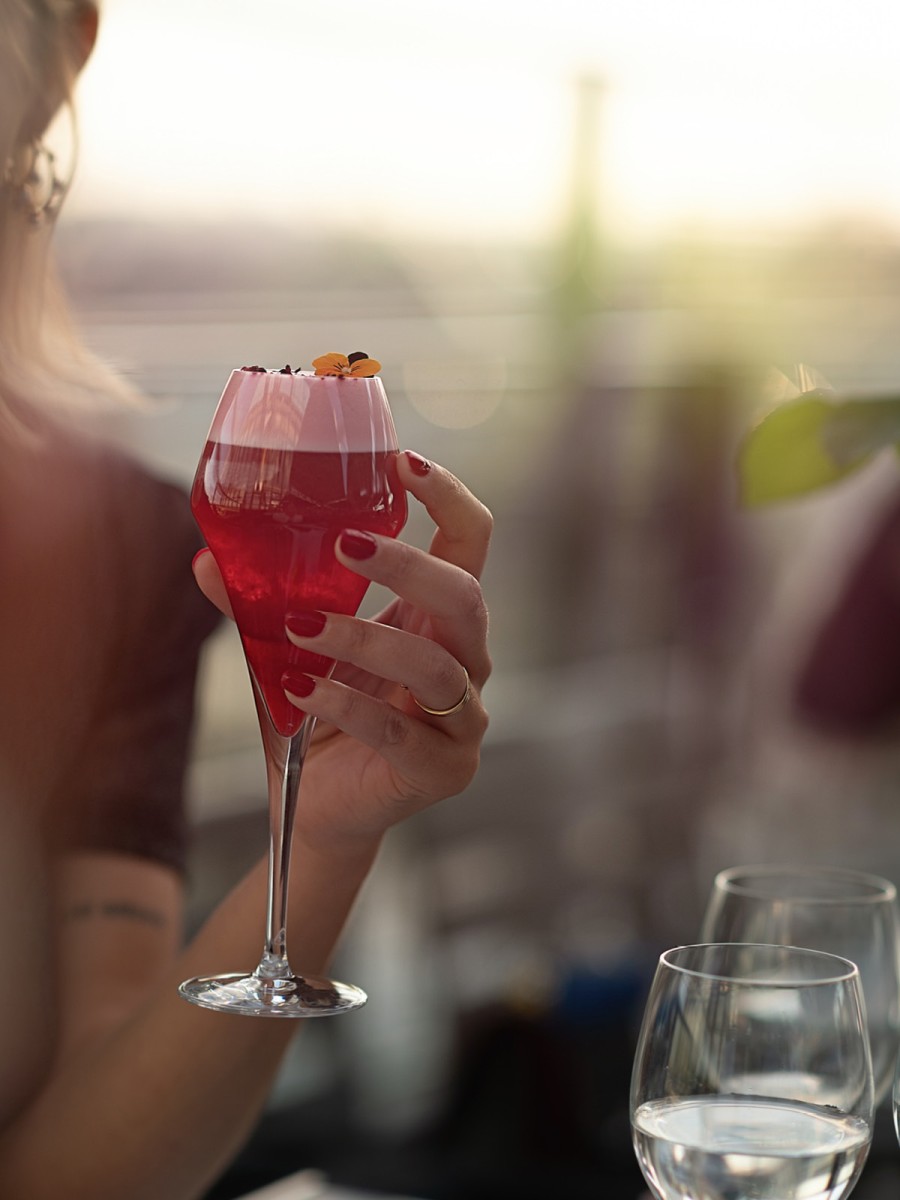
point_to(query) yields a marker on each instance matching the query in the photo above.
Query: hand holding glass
(291, 461)
(752, 1078)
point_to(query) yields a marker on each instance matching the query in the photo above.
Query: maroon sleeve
(127, 794)
(850, 681)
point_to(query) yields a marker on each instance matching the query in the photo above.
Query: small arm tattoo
(123, 910)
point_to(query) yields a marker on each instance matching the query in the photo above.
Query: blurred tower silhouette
(573, 509)
(579, 267)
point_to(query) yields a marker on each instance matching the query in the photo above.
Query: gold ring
(447, 712)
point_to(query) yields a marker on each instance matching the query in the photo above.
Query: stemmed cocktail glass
(292, 459)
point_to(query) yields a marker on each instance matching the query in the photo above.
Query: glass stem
(284, 765)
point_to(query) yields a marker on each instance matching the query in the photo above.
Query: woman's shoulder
(111, 509)
(105, 475)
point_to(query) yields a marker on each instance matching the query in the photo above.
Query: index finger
(463, 524)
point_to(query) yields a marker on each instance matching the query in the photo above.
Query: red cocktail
(271, 518)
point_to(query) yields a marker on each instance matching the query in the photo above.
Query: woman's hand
(378, 755)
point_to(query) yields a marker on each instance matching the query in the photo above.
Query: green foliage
(812, 441)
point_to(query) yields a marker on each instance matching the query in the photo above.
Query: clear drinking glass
(895, 1099)
(848, 913)
(752, 1078)
(291, 460)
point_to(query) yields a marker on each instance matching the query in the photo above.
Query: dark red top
(101, 625)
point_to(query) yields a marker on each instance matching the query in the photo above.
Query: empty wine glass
(848, 913)
(752, 1078)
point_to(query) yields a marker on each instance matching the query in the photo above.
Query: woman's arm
(150, 1096)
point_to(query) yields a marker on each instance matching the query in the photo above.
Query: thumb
(209, 580)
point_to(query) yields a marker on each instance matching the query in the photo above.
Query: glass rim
(879, 889)
(843, 970)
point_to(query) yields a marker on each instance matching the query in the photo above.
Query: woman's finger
(464, 524)
(432, 764)
(435, 680)
(448, 594)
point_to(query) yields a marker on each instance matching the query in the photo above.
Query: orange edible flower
(358, 365)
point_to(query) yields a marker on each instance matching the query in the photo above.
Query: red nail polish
(357, 545)
(306, 624)
(199, 555)
(417, 464)
(298, 684)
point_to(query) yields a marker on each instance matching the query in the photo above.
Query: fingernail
(357, 545)
(199, 555)
(297, 684)
(306, 624)
(417, 464)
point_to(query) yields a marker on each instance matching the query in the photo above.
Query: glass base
(258, 996)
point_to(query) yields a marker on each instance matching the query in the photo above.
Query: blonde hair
(44, 364)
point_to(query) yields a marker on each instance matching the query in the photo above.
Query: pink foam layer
(273, 410)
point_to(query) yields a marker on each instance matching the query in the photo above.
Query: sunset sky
(456, 120)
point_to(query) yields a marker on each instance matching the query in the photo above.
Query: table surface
(312, 1185)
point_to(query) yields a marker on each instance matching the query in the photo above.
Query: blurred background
(581, 238)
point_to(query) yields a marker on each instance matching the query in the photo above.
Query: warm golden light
(416, 118)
